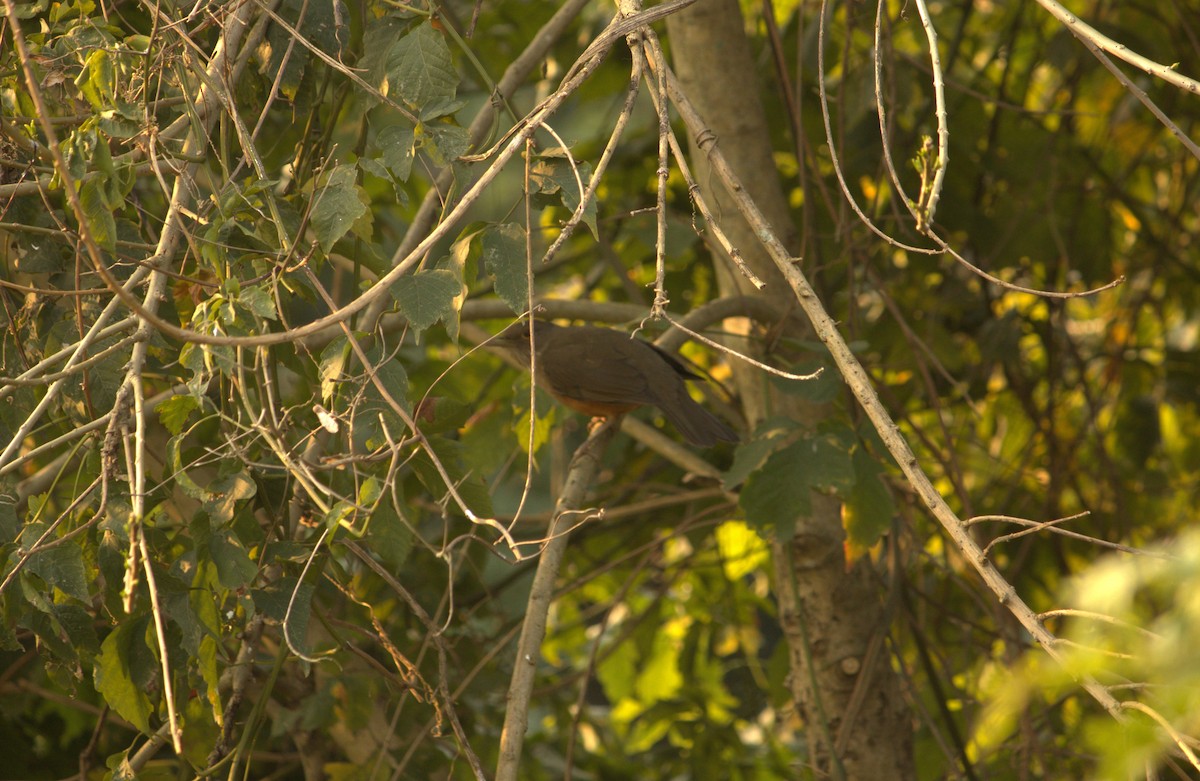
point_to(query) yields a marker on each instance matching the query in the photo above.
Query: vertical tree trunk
(844, 686)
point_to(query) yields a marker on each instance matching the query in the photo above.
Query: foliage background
(322, 604)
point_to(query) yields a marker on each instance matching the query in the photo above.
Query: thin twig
(1097, 40)
(580, 476)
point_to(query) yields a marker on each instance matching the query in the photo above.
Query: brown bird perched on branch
(602, 372)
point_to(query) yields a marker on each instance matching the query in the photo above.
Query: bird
(603, 373)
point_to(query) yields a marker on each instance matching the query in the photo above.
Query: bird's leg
(598, 421)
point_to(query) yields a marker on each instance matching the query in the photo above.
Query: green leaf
(369, 492)
(504, 259)
(389, 537)
(420, 69)
(273, 602)
(820, 390)
(224, 494)
(649, 727)
(235, 568)
(184, 481)
(543, 424)
(41, 256)
(834, 471)
(556, 177)
(319, 26)
(121, 120)
(868, 511)
(378, 41)
(373, 167)
(781, 491)
(342, 512)
(79, 628)
(462, 262)
(397, 143)
(10, 526)
(391, 373)
(64, 631)
(175, 597)
(340, 203)
(770, 436)
(470, 486)
(173, 413)
(617, 671)
(123, 668)
(442, 415)
(444, 143)
(427, 296)
(659, 677)
(373, 413)
(30, 10)
(200, 733)
(97, 81)
(259, 301)
(99, 216)
(42, 622)
(60, 567)
(198, 602)
(299, 598)
(441, 107)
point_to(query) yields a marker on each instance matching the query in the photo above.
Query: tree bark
(856, 718)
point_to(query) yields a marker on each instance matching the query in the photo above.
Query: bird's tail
(697, 425)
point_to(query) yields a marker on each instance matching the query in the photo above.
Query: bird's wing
(611, 368)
